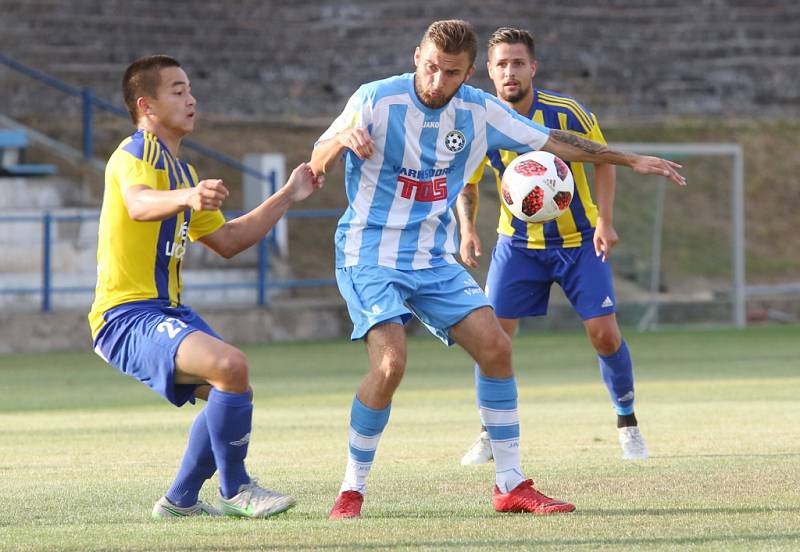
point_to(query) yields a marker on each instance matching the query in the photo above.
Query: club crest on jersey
(455, 141)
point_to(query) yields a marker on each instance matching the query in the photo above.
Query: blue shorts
(519, 280)
(141, 340)
(440, 297)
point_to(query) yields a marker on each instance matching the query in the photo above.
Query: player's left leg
(229, 416)
(616, 369)
(587, 283)
(517, 285)
(481, 335)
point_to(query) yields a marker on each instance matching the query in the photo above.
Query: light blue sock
(617, 372)
(497, 399)
(197, 465)
(229, 417)
(477, 377)
(366, 428)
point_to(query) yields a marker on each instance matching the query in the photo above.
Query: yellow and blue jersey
(140, 261)
(576, 226)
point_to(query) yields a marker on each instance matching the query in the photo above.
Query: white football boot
(632, 443)
(255, 501)
(165, 509)
(480, 452)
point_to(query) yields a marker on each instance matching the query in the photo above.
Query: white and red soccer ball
(537, 187)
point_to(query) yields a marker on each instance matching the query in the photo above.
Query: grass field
(84, 451)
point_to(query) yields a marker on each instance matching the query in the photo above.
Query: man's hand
(605, 238)
(470, 248)
(358, 141)
(302, 182)
(208, 195)
(646, 164)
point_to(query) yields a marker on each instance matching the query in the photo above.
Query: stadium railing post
(86, 96)
(47, 223)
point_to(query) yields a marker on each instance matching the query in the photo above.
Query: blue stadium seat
(12, 147)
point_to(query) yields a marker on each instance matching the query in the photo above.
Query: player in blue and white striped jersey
(409, 144)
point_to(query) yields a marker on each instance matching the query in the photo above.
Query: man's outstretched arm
(570, 147)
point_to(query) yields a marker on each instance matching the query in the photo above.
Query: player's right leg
(228, 415)
(378, 313)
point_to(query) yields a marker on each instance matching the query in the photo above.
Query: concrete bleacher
(639, 59)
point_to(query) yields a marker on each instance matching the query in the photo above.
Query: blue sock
(366, 428)
(229, 417)
(617, 373)
(197, 465)
(497, 399)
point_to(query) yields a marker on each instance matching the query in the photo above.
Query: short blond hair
(452, 36)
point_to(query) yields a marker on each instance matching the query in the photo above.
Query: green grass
(84, 451)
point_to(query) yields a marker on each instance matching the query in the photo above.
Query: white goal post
(734, 151)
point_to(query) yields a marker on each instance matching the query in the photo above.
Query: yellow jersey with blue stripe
(576, 226)
(140, 261)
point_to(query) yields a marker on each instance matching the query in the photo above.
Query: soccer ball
(537, 187)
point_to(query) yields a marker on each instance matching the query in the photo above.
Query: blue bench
(13, 144)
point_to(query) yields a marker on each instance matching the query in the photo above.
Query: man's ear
(470, 72)
(143, 106)
(417, 56)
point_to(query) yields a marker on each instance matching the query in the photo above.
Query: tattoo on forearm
(582, 143)
(468, 202)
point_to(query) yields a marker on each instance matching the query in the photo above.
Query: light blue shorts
(440, 297)
(141, 340)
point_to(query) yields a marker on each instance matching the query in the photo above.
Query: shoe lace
(532, 494)
(349, 500)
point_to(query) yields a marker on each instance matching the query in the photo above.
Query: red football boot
(525, 498)
(347, 505)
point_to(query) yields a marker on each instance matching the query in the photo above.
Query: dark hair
(452, 36)
(510, 35)
(141, 79)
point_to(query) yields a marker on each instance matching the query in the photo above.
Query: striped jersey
(576, 226)
(400, 200)
(138, 261)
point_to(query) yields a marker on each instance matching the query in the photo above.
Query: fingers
(669, 169)
(360, 142)
(600, 249)
(210, 195)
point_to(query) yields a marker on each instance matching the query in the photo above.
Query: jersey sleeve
(128, 170)
(477, 176)
(508, 130)
(356, 114)
(204, 223)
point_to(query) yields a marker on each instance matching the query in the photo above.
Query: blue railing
(262, 283)
(89, 103)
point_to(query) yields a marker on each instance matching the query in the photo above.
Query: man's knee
(496, 352)
(605, 338)
(233, 371)
(392, 367)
